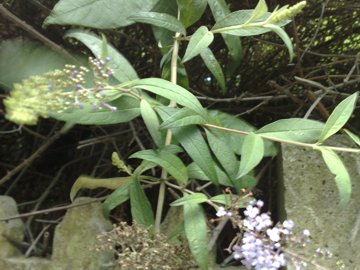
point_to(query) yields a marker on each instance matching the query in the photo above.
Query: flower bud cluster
(286, 12)
(58, 91)
(261, 244)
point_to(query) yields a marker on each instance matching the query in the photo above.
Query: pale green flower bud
(286, 12)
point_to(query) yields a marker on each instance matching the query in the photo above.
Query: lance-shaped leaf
(191, 198)
(342, 177)
(295, 129)
(128, 109)
(213, 65)
(141, 210)
(170, 91)
(220, 9)
(191, 10)
(223, 152)
(194, 144)
(119, 196)
(339, 117)
(151, 121)
(184, 117)
(201, 39)
(196, 233)
(122, 69)
(353, 136)
(229, 199)
(170, 162)
(259, 11)
(163, 20)
(284, 36)
(89, 182)
(99, 14)
(195, 172)
(251, 153)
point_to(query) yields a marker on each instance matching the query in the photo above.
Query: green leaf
(201, 39)
(172, 92)
(339, 117)
(191, 10)
(220, 9)
(191, 198)
(194, 144)
(294, 129)
(99, 14)
(128, 109)
(89, 182)
(20, 59)
(117, 197)
(195, 172)
(151, 121)
(236, 24)
(213, 65)
(196, 233)
(122, 69)
(251, 153)
(259, 11)
(163, 20)
(247, 182)
(230, 199)
(223, 152)
(284, 36)
(141, 210)
(342, 177)
(170, 162)
(182, 76)
(184, 117)
(353, 136)
(229, 121)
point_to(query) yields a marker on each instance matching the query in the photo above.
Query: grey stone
(12, 229)
(310, 198)
(76, 236)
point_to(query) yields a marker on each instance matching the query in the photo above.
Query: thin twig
(54, 209)
(35, 34)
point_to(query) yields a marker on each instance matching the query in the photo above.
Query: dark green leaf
(172, 92)
(122, 69)
(213, 65)
(339, 117)
(191, 198)
(117, 197)
(128, 109)
(183, 117)
(195, 172)
(200, 40)
(99, 14)
(170, 162)
(231, 199)
(163, 20)
(191, 10)
(196, 233)
(342, 177)
(151, 121)
(295, 129)
(220, 9)
(194, 144)
(182, 77)
(225, 155)
(252, 153)
(141, 210)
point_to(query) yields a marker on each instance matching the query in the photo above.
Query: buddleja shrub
(225, 157)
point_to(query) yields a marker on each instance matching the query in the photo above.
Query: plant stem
(173, 79)
(314, 146)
